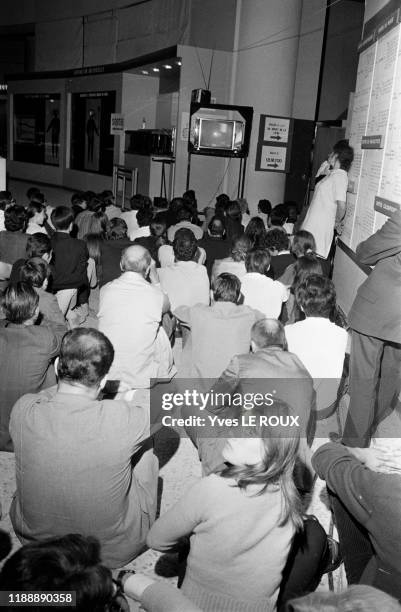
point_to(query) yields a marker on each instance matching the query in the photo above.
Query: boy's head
(39, 245)
(15, 218)
(62, 218)
(21, 304)
(258, 261)
(35, 272)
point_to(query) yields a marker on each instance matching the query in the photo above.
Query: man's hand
(378, 459)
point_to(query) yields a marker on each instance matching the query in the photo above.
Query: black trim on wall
(150, 58)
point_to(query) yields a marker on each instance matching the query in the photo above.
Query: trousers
(374, 385)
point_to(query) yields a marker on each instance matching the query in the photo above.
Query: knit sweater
(238, 551)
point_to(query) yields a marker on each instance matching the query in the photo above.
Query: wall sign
(274, 144)
(386, 207)
(276, 129)
(273, 158)
(116, 124)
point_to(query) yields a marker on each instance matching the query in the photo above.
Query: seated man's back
(74, 473)
(218, 332)
(185, 282)
(130, 313)
(77, 469)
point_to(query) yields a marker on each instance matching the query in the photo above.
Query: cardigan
(238, 550)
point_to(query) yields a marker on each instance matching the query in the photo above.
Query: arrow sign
(276, 128)
(273, 158)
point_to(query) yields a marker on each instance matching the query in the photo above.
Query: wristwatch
(122, 577)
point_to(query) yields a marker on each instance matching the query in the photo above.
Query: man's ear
(253, 347)
(56, 362)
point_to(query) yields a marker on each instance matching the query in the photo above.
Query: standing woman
(327, 209)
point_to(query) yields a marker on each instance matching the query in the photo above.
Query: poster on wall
(37, 128)
(390, 185)
(92, 143)
(92, 136)
(368, 188)
(52, 135)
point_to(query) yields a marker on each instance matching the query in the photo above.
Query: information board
(375, 133)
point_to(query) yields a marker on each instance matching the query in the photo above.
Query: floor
(179, 469)
(180, 466)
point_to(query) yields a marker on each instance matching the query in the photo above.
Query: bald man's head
(268, 332)
(136, 259)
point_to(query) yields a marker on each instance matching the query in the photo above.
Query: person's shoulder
(132, 417)
(211, 485)
(30, 400)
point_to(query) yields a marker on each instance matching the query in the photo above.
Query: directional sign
(277, 129)
(273, 158)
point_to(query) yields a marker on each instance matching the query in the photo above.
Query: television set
(218, 134)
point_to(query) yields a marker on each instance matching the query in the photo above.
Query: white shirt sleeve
(340, 184)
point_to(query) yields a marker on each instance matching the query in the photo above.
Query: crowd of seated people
(94, 299)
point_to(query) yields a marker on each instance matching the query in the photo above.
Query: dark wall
(341, 58)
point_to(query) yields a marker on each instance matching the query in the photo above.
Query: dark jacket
(376, 308)
(215, 248)
(26, 353)
(374, 500)
(70, 257)
(110, 256)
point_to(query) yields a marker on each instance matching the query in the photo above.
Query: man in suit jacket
(270, 368)
(70, 259)
(26, 351)
(375, 319)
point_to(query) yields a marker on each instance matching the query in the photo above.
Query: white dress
(321, 216)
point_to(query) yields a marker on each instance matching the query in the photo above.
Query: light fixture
(155, 69)
(167, 66)
(178, 62)
(145, 71)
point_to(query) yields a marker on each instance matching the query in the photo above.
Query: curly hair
(184, 245)
(277, 240)
(15, 218)
(316, 296)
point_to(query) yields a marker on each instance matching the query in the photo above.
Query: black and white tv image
(225, 135)
(216, 129)
(214, 134)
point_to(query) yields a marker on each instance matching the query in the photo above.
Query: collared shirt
(186, 283)
(74, 474)
(130, 312)
(228, 266)
(218, 332)
(35, 228)
(320, 345)
(197, 231)
(264, 294)
(140, 232)
(129, 217)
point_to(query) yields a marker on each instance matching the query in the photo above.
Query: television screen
(216, 134)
